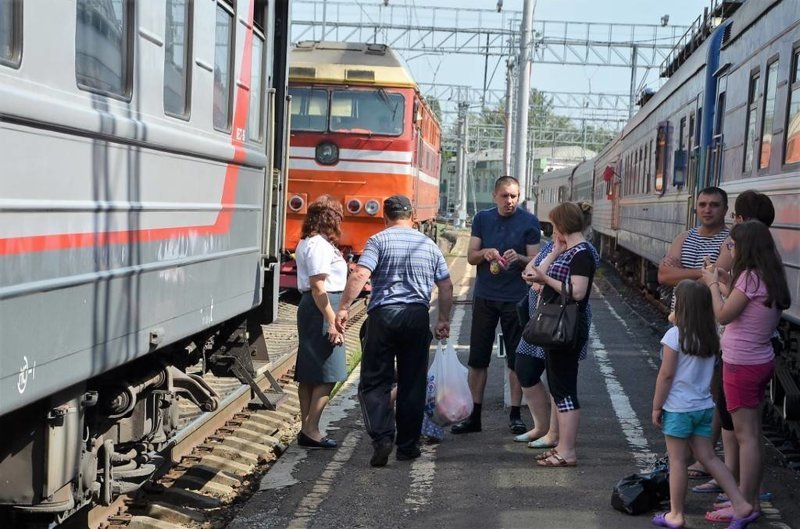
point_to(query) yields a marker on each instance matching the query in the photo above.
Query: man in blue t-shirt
(504, 239)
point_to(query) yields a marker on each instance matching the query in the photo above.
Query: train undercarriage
(109, 436)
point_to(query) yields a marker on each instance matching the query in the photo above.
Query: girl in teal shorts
(683, 407)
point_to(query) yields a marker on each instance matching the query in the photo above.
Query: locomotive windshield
(349, 111)
(309, 109)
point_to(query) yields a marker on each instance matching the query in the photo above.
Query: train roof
(348, 63)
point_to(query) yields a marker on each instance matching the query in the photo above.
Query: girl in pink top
(758, 294)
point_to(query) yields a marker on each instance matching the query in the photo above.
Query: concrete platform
(485, 480)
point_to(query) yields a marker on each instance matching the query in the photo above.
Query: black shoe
(307, 442)
(517, 427)
(407, 455)
(467, 426)
(381, 454)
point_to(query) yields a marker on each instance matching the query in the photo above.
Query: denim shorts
(685, 424)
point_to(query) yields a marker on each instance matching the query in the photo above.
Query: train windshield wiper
(386, 101)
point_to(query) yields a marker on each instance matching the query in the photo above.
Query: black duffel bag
(642, 492)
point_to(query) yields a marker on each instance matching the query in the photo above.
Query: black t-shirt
(582, 264)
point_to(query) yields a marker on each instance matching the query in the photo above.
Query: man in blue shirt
(403, 265)
(504, 239)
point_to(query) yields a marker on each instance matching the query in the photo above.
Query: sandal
(764, 496)
(724, 515)
(539, 443)
(559, 462)
(741, 523)
(546, 454)
(696, 473)
(709, 487)
(660, 520)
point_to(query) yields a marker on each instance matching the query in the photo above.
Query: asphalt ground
(485, 480)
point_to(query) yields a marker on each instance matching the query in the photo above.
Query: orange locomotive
(361, 132)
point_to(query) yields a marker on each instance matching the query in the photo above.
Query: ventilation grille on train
(726, 33)
(302, 71)
(360, 75)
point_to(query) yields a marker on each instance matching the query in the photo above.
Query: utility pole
(509, 116)
(461, 218)
(324, 17)
(523, 97)
(632, 103)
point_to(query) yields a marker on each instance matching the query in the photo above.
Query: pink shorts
(745, 384)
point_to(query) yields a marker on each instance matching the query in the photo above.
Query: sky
(468, 69)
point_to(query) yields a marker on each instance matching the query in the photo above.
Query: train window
(649, 166)
(792, 147)
(104, 46)
(176, 58)
(720, 114)
(367, 111)
(309, 109)
(661, 156)
(223, 67)
(768, 114)
(10, 32)
(750, 130)
(717, 144)
(255, 121)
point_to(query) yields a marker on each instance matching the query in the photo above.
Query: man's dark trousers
(401, 332)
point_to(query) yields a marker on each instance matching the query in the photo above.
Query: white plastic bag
(453, 398)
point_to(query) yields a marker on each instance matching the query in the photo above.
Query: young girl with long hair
(683, 407)
(758, 294)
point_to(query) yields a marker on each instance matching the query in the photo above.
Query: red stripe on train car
(63, 241)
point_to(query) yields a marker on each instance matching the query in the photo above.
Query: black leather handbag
(554, 325)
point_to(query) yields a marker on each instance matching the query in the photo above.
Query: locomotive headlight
(353, 206)
(371, 207)
(327, 153)
(296, 203)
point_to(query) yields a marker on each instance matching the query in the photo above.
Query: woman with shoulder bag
(571, 262)
(530, 364)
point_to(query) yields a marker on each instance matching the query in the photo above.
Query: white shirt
(691, 387)
(314, 256)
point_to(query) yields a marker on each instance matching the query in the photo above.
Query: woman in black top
(571, 261)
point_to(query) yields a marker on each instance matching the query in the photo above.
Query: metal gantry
(590, 106)
(419, 29)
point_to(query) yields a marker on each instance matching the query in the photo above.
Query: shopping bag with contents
(453, 402)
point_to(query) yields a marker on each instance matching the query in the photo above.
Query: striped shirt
(404, 264)
(696, 248)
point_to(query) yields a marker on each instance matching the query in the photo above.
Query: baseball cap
(396, 204)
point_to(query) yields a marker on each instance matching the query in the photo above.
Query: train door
(416, 134)
(272, 23)
(717, 138)
(615, 191)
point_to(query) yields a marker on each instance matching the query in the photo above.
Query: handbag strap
(566, 293)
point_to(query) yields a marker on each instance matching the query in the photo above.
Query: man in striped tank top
(689, 250)
(686, 258)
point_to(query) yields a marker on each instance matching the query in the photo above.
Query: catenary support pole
(509, 117)
(523, 97)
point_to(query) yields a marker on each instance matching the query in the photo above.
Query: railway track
(216, 457)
